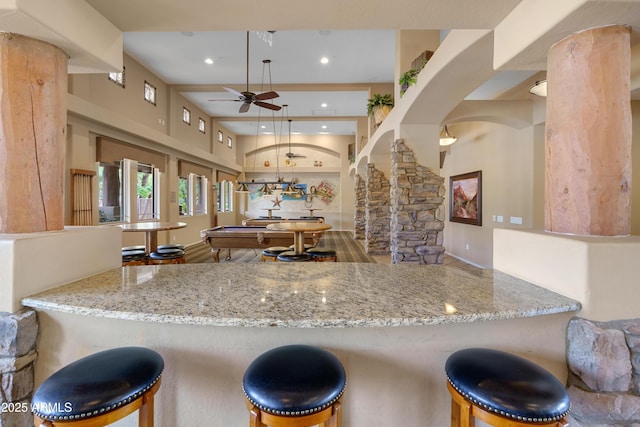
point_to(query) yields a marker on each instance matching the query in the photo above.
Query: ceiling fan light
(446, 138)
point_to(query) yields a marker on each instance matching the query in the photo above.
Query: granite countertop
(303, 295)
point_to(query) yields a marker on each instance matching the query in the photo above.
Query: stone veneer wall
(417, 214)
(18, 334)
(604, 373)
(377, 214)
(359, 220)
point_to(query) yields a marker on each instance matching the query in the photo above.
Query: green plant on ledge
(379, 106)
(407, 79)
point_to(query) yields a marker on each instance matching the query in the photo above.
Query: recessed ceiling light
(324, 133)
(324, 126)
(324, 60)
(263, 127)
(208, 61)
(323, 105)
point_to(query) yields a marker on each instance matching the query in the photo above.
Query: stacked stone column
(417, 223)
(18, 334)
(359, 220)
(377, 215)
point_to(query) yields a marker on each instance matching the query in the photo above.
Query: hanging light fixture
(446, 138)
(539, 88)
(267, 187)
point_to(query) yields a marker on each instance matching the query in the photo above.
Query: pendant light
(446, 138)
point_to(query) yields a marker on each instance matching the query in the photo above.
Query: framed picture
(465, 201)
(220, 137)
(229, 142)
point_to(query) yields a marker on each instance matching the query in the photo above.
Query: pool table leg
(228, 258)
(216, 255)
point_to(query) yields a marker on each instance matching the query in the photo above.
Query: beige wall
(332, 151)
(505, 157)
(512, 164)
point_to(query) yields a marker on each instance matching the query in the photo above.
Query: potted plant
(379, 106)
(407, 79)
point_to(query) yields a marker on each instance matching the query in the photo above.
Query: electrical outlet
(515, 220)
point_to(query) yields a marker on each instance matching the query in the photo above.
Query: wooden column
(33, 120)
(588, 134)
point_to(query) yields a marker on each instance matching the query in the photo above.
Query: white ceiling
(172, 39)
(356, 59)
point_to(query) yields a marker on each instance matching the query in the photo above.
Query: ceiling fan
(247, 97)
(291, 155)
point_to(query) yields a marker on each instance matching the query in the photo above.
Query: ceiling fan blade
(266, 95)
(244, 107)
(233, 91)
(268, 105)
(218, 100)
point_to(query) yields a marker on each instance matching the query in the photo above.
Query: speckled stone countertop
(302, 295)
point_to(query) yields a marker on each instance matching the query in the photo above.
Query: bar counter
(302, 295)
(392, 326)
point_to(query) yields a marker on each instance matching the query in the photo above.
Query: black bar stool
(295, 386)
(271, 253)
(100, 389)
(323, 255)
(292, 256)
(503, 389)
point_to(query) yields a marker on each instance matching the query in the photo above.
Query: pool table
(263, 222)
(249, 237)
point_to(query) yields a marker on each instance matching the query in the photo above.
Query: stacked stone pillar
(18, 334)
(359, 220)
(417, 218)
(377, 214)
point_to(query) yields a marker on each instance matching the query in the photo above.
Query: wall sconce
(446, 138)
(539, 88)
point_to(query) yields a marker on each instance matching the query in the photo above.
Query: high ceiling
(173, 39)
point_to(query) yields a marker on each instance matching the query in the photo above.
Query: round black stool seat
(134, 248)
(167, 254)
(133, 255)
(294, 380)
(321, 252)
(291, 256)
(171, 246)
(507, 385)
(307, 246)
(274, 251)
(96, 384)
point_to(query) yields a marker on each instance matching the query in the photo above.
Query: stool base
(463, 414)
(330, 417)
(144, 405)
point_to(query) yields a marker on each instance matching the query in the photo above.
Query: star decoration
(276, 202)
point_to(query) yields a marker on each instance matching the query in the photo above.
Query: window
(117, 78)
(186, 115)
(224, 190)
(192, 198)
(201, 125)
(149, 92)
(147, 192)
(109, 192)
(183, 196)
(229, 142)
(200, 194)
(220, 136)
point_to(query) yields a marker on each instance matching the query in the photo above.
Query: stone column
(588, 134)
(417, 217)
(377, 212)
(33, 112)
(359, 220)
(18, 334)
